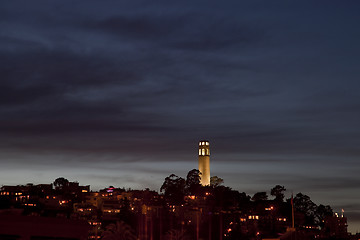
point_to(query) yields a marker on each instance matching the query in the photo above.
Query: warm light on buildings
(30, 204)
(94, 223)
(192, 197)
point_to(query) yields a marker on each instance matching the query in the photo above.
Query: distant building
(335, 227)
(19, 190)
(204, 162)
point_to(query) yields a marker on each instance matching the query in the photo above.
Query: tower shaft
(204, 162)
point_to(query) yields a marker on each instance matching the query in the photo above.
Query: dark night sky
(119, 92)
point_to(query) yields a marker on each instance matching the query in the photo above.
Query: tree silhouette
(118, 231)
(226, 198)
(321, 213)
(278, 192)
(61, 183)
(126, 214)
(174, 188)
(215, 181)
(260, 196)
(303, 204)
(193, 185)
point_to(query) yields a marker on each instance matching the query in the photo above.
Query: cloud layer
(120, 93)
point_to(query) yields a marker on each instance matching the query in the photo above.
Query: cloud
(12, 95)
(143, 27)
(140, 83)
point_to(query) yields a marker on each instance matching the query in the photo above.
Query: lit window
(203, 152)
(199, 151)
(207, 143)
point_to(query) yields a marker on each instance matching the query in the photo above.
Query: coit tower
(204, 162)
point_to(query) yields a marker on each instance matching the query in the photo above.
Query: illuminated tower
(204, 162)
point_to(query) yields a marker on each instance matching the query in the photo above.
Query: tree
(244, 202)
(303, 204)
(61, 183)
(321, 213)
(174, 188)
(126, 214)
(118, 231)
(225, 198)
(260, 196)
(278, 192)
(193, 185)
(215, 181)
